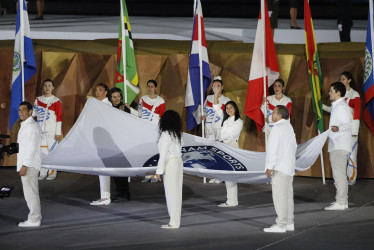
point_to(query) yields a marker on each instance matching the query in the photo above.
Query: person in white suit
(29, 163)
(102, 94)
(280, 166)
(232, 125)
(170, 165)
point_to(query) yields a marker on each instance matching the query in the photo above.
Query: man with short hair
(339, 144)
(280, 166)
(29, 163)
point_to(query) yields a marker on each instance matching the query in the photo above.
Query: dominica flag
(314, 67)
(126, 58)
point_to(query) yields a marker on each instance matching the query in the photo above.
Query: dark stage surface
(69, 222)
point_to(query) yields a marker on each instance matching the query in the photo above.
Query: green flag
(131, 73)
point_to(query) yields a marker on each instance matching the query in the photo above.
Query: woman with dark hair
(352, 97)
(232, 125)
(102, 93)
(272, 101)
(151, 106)
(170, 165)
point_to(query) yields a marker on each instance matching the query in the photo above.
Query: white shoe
(336, 206)
(29, 224)
(42, 177)
(290, 227)
(169, 227)
(101, 202)
(43, 174)
(52, 174)
(217, 181)
(226, 205)
(274, 229)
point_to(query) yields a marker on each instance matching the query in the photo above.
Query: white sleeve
(163, 148)
(32, 143)
(272, 149)
(326, 108)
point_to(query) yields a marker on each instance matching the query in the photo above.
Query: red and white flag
(255, 91)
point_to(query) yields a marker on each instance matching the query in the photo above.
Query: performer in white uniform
(102, 93)
(352, 97)
(170, 165)
(231, 127)
(339, 144)
(272, 101)
(29, 163)
(213, 113)
(151, 108)
(280, 166)
(48, 113)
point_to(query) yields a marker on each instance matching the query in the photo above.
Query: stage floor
(80, 27)
(69, 222)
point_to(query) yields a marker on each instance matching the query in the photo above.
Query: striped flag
(195, 93)
(24, 65)
(255, 91)
(126, 46)
(314, 67)
(368, 113)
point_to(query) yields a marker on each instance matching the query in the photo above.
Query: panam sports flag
(314, 67)
(194, 95)
(255, 91)
(125, 44)
(23, 54)
(368, 76)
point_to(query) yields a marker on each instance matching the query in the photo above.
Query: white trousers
(232, 187)
(173, 183)
(282, 189)
(104, 186)
(30, 187)
(48, 144)
(338, 159)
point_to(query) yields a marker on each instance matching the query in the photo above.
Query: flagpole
(123, 57)
(371, 28)
(264, 64)
(201, 69)
(322, 163)
(22, 50)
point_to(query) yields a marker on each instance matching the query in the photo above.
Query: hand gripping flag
(193, 89)
(23, 59)
(314, 67)
(255, 91)
(368, 113)
(131, 73)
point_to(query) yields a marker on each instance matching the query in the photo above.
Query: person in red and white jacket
(48, 113)
(151, 106)
(214, 106)
(272, 101)
(352, 97)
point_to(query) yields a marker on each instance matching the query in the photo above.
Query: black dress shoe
(38, 18)
(295, 27)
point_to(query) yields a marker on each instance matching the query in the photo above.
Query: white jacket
(231, 129)
(168, 147)
(341, 117)
(150, 109)
(29, 139)
(48, 113)
(281, 148)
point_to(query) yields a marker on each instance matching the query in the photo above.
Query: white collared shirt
(107, 102)
(341, 116)
(29, 139)
(168, 147)
(231, 130)
(281, 148)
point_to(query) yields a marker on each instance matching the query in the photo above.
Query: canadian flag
(255, 91)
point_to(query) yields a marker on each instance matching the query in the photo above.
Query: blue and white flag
(23, 53)
(193, 90)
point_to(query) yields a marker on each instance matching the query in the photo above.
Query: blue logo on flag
(207, 157)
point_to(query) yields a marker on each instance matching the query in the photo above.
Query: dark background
(321, 9)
